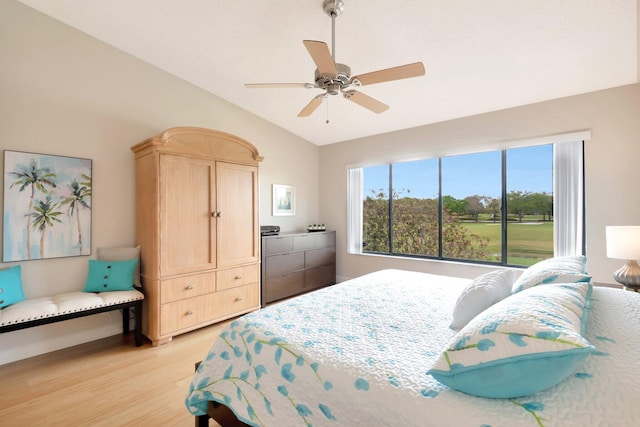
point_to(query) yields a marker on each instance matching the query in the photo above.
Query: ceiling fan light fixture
(333, 88)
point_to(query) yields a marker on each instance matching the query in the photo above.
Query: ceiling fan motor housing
(333, 83)
(333, 7)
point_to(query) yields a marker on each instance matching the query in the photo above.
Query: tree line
(519, 205)
(416, 226)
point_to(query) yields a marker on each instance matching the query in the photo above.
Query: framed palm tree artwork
(47, 206)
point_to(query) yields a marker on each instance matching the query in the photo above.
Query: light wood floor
(108, 382)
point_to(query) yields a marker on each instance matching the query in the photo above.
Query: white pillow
(122, 254)
(480, 294)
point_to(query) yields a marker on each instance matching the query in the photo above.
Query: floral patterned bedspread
(356, 354)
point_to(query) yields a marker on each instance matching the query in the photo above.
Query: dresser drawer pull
(188, 287)
(238, 299)
(189, 313)
(238, 277)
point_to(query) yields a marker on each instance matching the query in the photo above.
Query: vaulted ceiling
(479, 56)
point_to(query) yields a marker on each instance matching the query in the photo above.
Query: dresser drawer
(187, 287)
(304, 242)
(238, 276)
(277, 245)
(283, 286)
(326, 240)
(318, 257)
(236, 300)
(277, 265)
(319, 277)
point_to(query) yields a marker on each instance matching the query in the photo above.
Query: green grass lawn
(527, 242)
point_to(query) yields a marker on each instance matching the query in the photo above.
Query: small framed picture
(284, 200)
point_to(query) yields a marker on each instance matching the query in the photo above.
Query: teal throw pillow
(524, 344)
(562, 269)
(105, 276)
(11, 286)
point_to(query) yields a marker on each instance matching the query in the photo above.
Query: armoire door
(237, 221)
(187, 215)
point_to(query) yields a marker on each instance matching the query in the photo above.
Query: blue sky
(528, 169)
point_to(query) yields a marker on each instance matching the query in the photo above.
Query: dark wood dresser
(294, 263)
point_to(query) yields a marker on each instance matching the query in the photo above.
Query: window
(469, 183)
(529, 204)
(452, 207)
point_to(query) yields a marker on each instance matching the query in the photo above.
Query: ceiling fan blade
(365, 101)
(389, 74)
(320, 54)
(278, 85)
(312, 106)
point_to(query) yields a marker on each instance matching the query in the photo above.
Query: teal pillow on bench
(105, 276)
(11, 286)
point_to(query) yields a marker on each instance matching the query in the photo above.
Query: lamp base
(629, 275)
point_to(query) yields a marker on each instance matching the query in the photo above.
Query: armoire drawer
(184, 287)
(191, 312)
(236, 300)
(238, 276)
(186, 313)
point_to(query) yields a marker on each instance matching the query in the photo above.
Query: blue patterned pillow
(11, 286)
(105, 276)
(524, 344)
(563, 269)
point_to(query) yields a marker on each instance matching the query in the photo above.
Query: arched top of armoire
(202, 143)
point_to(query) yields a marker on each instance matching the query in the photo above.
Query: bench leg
(138, 331)
(125, 320)
(137, 312)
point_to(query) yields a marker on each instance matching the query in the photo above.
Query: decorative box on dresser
(293, 263)
(198, 230)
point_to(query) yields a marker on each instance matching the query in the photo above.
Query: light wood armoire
(198, 230)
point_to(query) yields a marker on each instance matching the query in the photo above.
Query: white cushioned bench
(43, 310)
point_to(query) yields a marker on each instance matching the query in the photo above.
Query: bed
(367, 352)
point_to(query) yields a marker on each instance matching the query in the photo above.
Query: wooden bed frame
(220, 414)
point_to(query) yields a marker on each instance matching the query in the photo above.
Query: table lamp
(623, 242)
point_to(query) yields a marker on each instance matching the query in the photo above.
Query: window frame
(579, 235)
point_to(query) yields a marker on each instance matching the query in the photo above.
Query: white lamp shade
(623, 242)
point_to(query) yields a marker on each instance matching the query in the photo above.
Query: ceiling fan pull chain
(327, 122)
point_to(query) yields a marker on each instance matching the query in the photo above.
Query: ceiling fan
(334, 78)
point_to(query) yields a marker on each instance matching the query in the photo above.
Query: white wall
(611, 158)
(64, 93)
